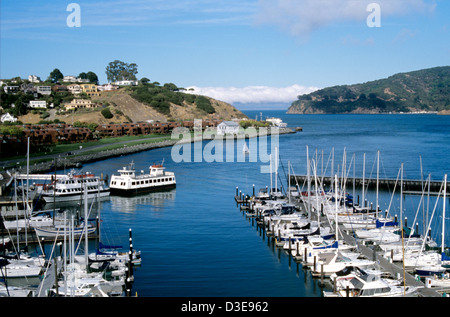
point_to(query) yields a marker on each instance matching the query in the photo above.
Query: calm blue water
(195, 242)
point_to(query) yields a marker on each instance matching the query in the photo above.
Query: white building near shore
(277, 122)
(228, 127)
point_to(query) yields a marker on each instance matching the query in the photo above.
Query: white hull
(34, 222)
(129, 183)
(53, 231)
(79, 197)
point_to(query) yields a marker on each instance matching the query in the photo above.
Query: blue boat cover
(380, 224)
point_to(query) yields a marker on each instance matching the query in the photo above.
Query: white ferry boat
(71, 187)
(128, 183)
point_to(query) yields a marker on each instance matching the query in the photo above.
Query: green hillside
(423, 90)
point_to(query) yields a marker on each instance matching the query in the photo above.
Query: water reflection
(155, 199)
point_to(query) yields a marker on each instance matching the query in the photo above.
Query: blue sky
(238, 51)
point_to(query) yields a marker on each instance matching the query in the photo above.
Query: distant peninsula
(426, 90)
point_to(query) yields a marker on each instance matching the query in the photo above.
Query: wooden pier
(409, 186)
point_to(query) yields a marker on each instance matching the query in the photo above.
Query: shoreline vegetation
(128, 145)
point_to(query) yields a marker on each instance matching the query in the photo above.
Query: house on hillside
(108, 87)
(90, 89)
(126, 83)
(11, 89)
(80, 103)
(34, 79)
(37, 104)
(7, 118)
(59, 88)
(75, 89)
(44, 90)
(228, 127)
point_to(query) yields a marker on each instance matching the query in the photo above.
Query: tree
(92, 77)
(118, 70)
(145, 80)
(107, 113)
(55, 75)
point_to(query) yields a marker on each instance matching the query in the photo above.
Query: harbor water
(195, 242)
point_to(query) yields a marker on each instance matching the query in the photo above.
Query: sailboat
(434, 261)
(20, 266)
(245, 149)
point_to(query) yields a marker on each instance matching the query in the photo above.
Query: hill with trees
(426, 90)
(134, 100)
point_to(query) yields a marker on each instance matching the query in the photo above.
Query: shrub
(107, 113)
(204, 104)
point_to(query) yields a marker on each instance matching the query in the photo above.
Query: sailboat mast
(289, 182)
(443, 213)
(378, 175)
(309, 183)
(271, 171)
(276, 170)
(336, 204)
(363, 179)
(86, 253)
(401, 194)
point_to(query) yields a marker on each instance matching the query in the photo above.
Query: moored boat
(128, 183)
(71, 187)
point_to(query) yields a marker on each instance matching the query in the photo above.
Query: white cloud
(254, 94)
(301, 17)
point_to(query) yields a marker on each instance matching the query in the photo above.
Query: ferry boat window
(133, 183)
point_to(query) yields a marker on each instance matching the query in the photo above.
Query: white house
(69, 79)
(228, 127)
(38, 104)
(75, 89)
(126, 83)
(7, 118)
(44, 90)
(10, 89)
(34, 79)
(108, 87)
